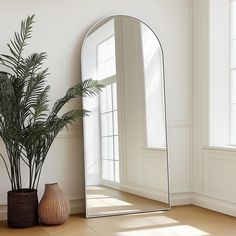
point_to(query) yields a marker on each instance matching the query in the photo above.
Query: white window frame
(231, 69)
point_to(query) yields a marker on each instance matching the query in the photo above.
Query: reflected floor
(104, 200)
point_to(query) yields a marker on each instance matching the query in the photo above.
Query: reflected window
(153, 89)
(106, 64)
(106, 73)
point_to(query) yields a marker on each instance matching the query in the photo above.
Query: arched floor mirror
(125, 135)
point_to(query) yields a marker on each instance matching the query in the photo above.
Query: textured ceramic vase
(54, 207)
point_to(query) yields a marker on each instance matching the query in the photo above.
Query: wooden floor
(180, 221)
(103, 200)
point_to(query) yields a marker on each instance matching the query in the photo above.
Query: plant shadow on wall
(27, 127)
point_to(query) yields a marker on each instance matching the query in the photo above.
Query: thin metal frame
(165, 113)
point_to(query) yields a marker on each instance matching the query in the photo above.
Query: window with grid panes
(106, 71)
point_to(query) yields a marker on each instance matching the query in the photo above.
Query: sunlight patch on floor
(130, 223)
(161, 220)
(180, 230)
(107, 202)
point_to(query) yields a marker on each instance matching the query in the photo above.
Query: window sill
(154, 149)
(221, 148)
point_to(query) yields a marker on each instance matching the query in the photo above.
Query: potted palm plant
(27, 127)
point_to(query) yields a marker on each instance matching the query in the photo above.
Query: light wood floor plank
(180, 221)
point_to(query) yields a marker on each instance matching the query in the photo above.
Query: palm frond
(86, 88)
(34, 92)
(90, 88)
(33, 63)
(17, 46)
(41, 106)
(7, 99)
(69, 117)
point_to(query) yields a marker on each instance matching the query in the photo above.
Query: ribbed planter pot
(54, 207)
(22, 208)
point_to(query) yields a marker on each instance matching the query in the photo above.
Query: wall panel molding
(219, 174)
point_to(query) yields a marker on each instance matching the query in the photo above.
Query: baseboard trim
(157, 195)
(205, 201)
(3, 211)
(77, 206)
(214, 204)
(180, 199)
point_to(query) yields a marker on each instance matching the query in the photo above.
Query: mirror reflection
(125, 141)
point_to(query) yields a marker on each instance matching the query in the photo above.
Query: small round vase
(54, 207)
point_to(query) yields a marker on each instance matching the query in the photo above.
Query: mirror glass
(125, 139)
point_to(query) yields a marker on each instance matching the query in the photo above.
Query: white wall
(59, 30)
(213, 167)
